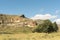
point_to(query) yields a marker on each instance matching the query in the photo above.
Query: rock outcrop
(15, 20)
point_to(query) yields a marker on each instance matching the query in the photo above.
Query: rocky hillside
(17, 24)
(15, 20)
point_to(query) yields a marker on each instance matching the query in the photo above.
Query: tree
(23, 16)
(55, 26)
(46, 27)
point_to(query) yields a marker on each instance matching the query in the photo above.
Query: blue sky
(30, 8)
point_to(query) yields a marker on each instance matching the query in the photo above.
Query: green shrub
(46, 27)
(55, 26)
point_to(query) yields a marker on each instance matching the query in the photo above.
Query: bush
(55, 26)
(46, 27)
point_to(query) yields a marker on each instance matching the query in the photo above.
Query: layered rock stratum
(15, 20)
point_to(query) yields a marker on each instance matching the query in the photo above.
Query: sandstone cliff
(15, 20)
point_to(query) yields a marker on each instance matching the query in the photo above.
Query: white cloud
(57, 21)
(44, 17)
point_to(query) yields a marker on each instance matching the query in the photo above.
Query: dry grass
(30, 36)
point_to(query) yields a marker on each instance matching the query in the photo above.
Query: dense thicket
(46, 27)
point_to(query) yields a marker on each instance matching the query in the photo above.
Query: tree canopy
(46, 27)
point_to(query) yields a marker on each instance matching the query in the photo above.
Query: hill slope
(15, 24)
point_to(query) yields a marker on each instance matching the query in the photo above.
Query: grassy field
(30, 36)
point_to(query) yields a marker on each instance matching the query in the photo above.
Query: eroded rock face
(14, 20)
